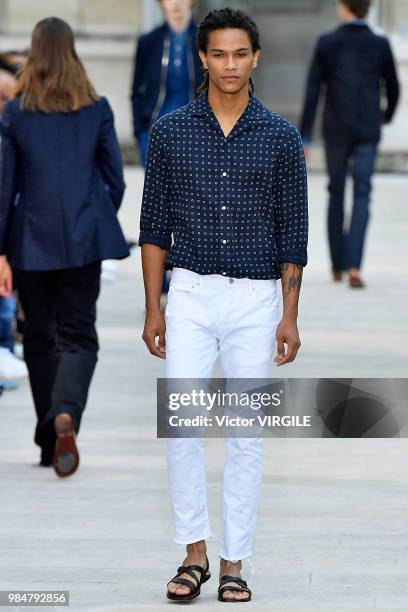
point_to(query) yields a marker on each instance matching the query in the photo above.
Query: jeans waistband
(190, 275)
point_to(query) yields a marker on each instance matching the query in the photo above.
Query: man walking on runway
(224, 207)
(354, 63)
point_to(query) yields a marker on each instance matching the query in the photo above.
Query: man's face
(176, 9)
(229, 59)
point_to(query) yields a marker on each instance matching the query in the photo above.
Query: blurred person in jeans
(11, 368)
(354, 64)
(167, 72)
(61, 184)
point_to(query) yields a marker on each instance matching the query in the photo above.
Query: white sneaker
(11, 367)
(108, 274)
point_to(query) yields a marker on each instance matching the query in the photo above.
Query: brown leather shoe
(337, 276)
(356, 282)
(66, 457)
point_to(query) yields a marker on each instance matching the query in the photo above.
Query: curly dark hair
(359, 8)
(222, 19)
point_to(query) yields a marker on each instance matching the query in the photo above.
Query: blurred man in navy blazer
(167, 69)
(354, 64)
(167, 72)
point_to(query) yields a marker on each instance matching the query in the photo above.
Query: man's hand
(6, 278)
(287, 333)
(155, 325)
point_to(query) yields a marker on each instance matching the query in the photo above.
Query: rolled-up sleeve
(155, 225)
(290, 204)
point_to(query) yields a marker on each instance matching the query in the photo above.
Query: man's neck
(228, 105)
(180, 25)
(351, 18)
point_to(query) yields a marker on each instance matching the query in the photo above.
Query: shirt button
(224, 174)
(224, 242)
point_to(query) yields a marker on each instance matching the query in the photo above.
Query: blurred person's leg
(363, 157)
(77, 341)
(11, 368)
(7, 314)
(37, 295)
(143, 139)
(336, 162)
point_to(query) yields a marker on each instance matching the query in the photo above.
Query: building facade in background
(107, 32)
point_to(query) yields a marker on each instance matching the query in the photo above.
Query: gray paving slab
(332, 530)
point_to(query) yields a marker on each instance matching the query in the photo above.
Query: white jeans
(207, 315)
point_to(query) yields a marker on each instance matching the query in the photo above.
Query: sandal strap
(194, 586)
(189, 568)
(224, 589)
(242, 588)
(236, 579)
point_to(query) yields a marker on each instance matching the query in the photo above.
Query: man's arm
(315, 79)
(155, 238)
(287, 332)
(291, 230)
(392, 87)
(153, 270)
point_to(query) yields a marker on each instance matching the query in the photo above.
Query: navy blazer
(147, 77)
(355, 64)
(61, 184)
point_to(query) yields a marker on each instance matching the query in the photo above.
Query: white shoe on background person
(11, 367)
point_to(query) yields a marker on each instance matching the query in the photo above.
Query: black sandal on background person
(241, 588)
(194, 586)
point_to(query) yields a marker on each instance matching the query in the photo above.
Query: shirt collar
(357, 22)
(255, 111)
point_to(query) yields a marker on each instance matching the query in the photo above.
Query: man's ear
(256, 58)
(203, 58)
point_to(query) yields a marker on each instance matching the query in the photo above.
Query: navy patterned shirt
(234, 205)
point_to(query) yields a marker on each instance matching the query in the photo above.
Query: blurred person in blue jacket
(167, 69)
(61, 184)
(167, 73)
(356, 66)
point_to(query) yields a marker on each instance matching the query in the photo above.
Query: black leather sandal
(242, 588)
(194, 586)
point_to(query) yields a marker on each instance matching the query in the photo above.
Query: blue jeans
(346, 246)
(7, 314)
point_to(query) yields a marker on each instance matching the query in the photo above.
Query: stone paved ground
(332, 529)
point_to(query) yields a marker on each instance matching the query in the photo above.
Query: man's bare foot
(196, 555)
(227, 568)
